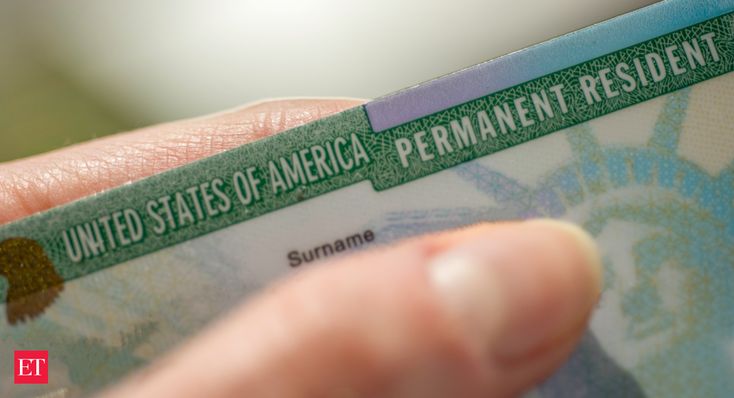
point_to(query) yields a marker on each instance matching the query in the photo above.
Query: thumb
(489, 310)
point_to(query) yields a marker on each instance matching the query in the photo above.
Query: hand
(486, 311)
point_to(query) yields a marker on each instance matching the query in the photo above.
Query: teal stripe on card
(330, 154)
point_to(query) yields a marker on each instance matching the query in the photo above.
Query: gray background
(76, 69)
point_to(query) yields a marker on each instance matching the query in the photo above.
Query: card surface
(624, 128)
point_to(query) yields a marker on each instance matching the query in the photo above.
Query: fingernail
(518, 287)
(584, 241)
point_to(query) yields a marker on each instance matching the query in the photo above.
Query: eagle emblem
(33, 283)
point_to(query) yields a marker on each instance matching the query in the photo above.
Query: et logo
(31, 367)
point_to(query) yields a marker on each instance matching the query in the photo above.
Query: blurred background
(73, 70)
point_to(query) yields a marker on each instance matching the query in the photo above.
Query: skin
(486, 311)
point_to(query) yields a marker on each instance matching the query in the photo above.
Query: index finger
(41, 182)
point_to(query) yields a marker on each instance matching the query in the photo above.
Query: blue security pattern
(692, 215)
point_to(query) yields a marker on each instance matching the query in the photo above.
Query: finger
(488, 311)
(34, 184)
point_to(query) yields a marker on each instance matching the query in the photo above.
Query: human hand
(486, 311)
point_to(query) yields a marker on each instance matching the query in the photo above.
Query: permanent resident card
(625, 128)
